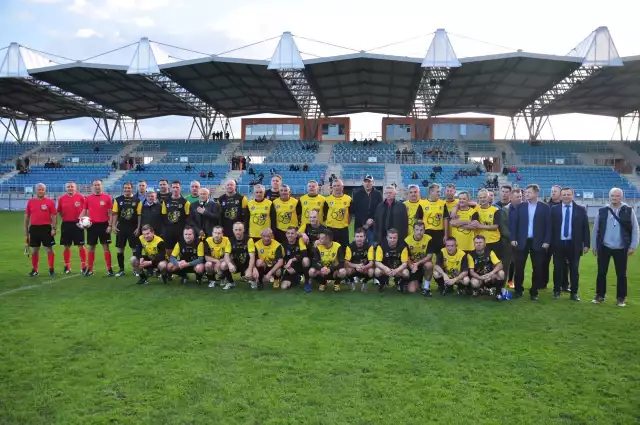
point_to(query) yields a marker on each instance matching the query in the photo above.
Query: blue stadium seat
(154, 172)
(55, 178)
(437, 151)
(196, 150)
(12, 150)
(290, 152)
(549, 152)
(348, 153)
(357, 172)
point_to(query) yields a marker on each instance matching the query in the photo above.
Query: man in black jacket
(365, 201)
(204, 215)
(390, 214)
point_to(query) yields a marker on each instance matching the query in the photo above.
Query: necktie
(566, 221)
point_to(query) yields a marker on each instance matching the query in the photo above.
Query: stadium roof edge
(220, 59)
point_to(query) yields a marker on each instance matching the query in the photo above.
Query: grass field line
(38, 285)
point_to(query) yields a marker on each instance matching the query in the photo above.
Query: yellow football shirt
(464, 236)
(434, 213)
(417, 249)
(309, 203)
(217, 250)
(488, 216)
(154, 249)
(271, 253)
(338, 211)
(329, 257)
(412, 212)
(454, 264)
(285, 213)
(259, 217)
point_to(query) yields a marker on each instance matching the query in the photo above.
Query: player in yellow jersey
(414, 207)
(270, 259)
(328, 261)
(243, 256)
(450, 196)
(217, 249)
(187, 256)
(337, 213)
(392, 257)
(419, 264)
(285, 212)
(296, 259)
(259, 213)
(311, 201)
(451, 268)
(149, 254)
(359, 260)
(486, 270)
(462, 226)
(486, 220)
(435, 215)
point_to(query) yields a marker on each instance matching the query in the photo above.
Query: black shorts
(41, 235)
(241, 268)
(496, 247)
(71, 234)
(171, 235)
(98, 232)
(436, 243)
(341, 236)
(125, 235)
(418, 275)
(294, 278)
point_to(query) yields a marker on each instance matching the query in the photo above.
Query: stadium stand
(55, 178)
(347, 152)
(297, 180)
(152, 173)
(635, 146)
(447, 175)
(292, 152)
(437, 150)
(12, 150)
(357, 172)
(479, 146)
(197, 151)
(81, 152)
(548, 152)
(588, 179)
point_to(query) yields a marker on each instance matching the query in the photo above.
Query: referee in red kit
(97, 207)
(40, 221)
(70, 208)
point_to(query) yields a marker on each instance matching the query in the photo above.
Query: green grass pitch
(100, 350)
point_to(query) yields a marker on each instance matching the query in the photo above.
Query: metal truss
(634, 116)
(206, 114)
(431, 82)
(299, 87)
(535, 115)
(22, 132)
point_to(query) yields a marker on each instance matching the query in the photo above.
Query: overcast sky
(80, 29)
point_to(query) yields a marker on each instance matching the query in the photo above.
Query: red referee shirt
(40, 211)
(70, 207)
(98, 207)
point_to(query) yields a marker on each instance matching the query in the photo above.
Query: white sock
(426, 284)
(504, 291)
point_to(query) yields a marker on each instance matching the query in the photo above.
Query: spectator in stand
(210, 174)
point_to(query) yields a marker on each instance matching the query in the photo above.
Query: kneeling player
(358, 260)
(150, 255)
(328, 261)
(270, 260)
(187, 256)
(243, 256)
(296, 259)
(420, 265)
(485, 269)
(391, 261)
(217, 248)
(451, 268)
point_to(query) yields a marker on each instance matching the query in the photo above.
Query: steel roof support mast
(287, 61)
(147, 60)
(597, 51)
(436, 66)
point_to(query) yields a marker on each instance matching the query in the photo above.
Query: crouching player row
(478, 272)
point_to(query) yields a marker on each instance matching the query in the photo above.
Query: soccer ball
(85, 222)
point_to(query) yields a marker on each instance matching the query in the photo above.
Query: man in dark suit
(530, 235)
(569, 241)
(204, 214)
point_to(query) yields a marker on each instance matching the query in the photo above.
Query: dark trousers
(566, 263)
(620, 259)
(506, 257)
(537, 264)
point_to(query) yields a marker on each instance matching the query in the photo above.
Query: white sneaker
(228, 286)
(354, 282)
(254, 284)
(212, 284)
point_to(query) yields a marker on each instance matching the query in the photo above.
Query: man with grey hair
(615, 235)
(390, 214)
(204, 214)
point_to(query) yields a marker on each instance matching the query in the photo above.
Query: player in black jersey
(273, 192)
(176, 210)
(309, 234)
(391, 257)
(187, 256)
(358, 260)
(295, 259)
(233, 208)
(163, 193)
(124, 221)
(243, 256)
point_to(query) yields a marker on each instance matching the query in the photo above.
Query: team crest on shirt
(102, 203)
(277, 207)
(322, 254)
(43, 207)
(386, 254)
(490, 216)
(173, 216)
(262, 251)
(305, 202)
(224, 203)
(253, 208)
(76, 204)
(331, 203)
(426, 208)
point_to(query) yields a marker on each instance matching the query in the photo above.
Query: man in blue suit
(569, 241)
(530, 227)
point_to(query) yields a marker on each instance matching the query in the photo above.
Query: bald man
(233, 208)
(338, 208)
(40, 221)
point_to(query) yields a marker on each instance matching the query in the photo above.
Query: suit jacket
(519, 225)
(207, 220)
(579, 227)
(503, 225)
(388, 217)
